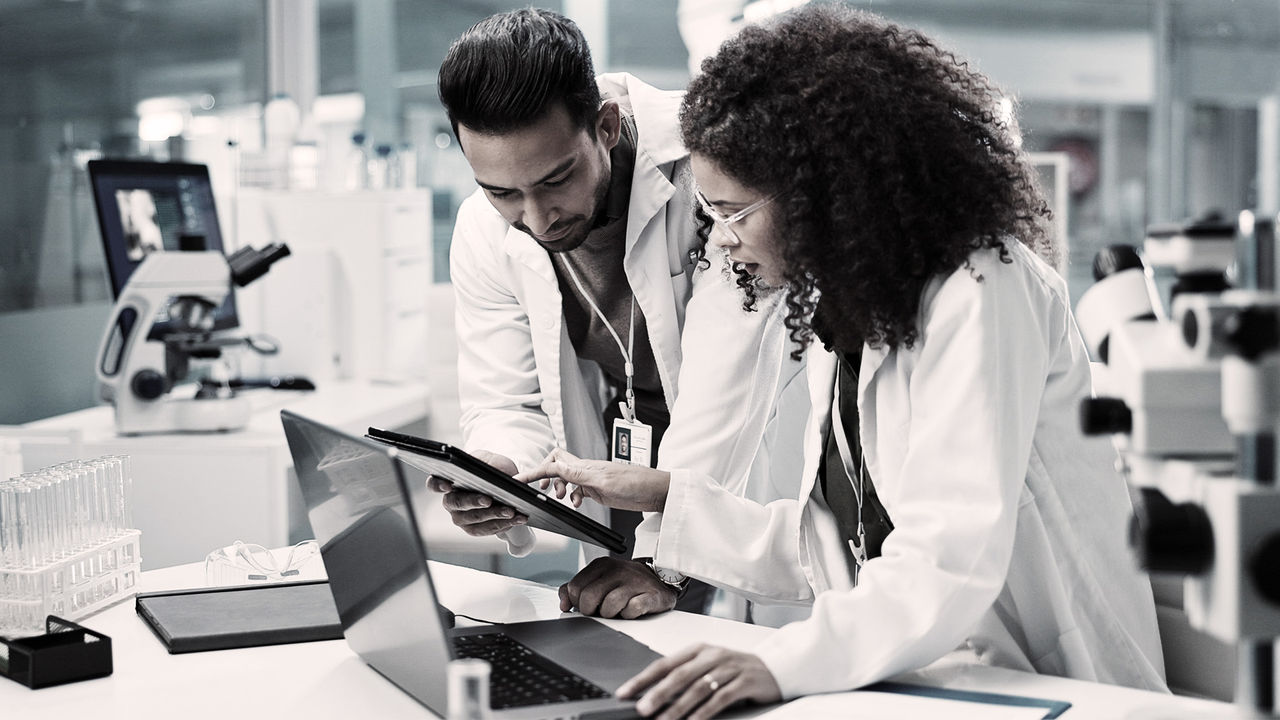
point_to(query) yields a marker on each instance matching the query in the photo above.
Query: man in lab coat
(576, 270)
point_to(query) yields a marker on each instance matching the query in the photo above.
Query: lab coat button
(548, 323)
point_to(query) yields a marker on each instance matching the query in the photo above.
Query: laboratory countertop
(321, 680)
(353, 403)
(193, 492)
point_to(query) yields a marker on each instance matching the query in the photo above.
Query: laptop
(366, 517)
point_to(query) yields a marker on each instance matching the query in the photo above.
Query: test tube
(95, 502)
(22, 525)
(115, 471)
(40, 520)
(8, 525)
(468, 683)
(126, 491)
(78, 486)
(107, 502)
(97, 515)
(43, 517)
(66, 511)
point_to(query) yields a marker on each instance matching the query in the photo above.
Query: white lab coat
(522, 388)
(740, 415)
(1009, 536)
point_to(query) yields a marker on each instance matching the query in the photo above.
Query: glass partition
(1158, 110)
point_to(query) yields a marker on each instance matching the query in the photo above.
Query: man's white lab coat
(523, 389)
(1009, 526)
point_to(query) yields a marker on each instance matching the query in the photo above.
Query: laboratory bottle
(469, 690)
(380, 168)
(280, 121)
(407, 161)
(357, 163)
(304, 165)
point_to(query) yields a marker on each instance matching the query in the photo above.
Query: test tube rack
(66, 548)
(71, 588)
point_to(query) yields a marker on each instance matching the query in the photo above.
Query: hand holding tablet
(466, 471)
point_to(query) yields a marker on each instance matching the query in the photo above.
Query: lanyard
(858, 545)
(628, 367)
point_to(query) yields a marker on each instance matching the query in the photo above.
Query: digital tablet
(467, 471)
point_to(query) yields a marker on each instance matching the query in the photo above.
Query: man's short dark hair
(510, 69)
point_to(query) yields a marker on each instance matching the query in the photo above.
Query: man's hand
(478, 515)
(610, 587)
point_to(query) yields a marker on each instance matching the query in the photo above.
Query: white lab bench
(323, 680)
(193, 492)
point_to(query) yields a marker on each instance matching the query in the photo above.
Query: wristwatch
(677, 581)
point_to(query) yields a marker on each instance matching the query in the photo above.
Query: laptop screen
(360, 510)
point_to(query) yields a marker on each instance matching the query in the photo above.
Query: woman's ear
(609, 124)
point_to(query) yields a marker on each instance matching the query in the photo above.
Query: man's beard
(583, 228)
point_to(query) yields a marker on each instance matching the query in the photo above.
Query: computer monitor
(145, 207)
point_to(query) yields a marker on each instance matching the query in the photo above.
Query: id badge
(631, 442)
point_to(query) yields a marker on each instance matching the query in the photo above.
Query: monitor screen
(145, 207)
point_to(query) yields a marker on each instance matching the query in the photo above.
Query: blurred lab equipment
(142, 375)
(67, 547)
(358, 158)
(352, 302)
(161, 357)
(281, 119)
(380, 168)
(1193, 403)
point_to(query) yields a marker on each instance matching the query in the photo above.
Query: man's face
(550, 178)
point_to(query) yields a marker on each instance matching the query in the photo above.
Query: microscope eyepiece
(248, 264)
(1113, 259)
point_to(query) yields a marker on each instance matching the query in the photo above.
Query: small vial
(469, 690)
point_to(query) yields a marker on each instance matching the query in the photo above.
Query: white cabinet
(352, 301)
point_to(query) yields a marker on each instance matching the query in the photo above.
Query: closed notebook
(241, 616)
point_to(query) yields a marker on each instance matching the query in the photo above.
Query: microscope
(1192, 400)
(162, 321)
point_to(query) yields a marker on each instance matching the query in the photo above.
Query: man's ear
(609, 124)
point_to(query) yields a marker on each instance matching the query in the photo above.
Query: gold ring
(711, 682)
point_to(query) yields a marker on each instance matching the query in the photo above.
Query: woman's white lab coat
(1009, 535)
(522, 388)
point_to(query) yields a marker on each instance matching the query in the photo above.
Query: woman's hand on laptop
(479, 515)
(700, 682)
(615, 485)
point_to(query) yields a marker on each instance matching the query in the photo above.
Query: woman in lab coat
(949, 501)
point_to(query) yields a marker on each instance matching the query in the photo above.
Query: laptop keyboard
(520, 677)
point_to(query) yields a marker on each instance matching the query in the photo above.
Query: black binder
(241, 616)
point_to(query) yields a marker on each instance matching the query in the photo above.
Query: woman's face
(748, 237)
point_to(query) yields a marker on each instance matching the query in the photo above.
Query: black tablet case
(241, 616)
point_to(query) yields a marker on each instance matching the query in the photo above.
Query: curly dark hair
(891, 159)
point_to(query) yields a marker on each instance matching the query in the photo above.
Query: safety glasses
(726, 221)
